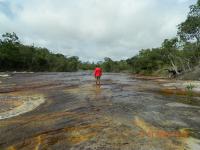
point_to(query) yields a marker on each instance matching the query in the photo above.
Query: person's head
(97, 65)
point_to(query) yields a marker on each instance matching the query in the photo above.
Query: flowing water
(61, 111)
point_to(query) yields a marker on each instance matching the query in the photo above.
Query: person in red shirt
(97, 74)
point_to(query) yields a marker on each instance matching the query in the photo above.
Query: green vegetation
(189, 89)
(15, 56)
(108, 65)
(114, 66)
(178, 55)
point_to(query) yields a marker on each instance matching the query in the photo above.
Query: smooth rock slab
(29, 103)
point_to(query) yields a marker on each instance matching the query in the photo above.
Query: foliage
(180, 54)
(190, 29)
(108, 65)
(114, 66)
(15, 56)
(189, 89)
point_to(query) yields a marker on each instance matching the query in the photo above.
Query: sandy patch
(4, 75)
(29, 104)
(183, 85)
(192, 143)
(181, 105)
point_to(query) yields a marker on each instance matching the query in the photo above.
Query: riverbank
(174, 86)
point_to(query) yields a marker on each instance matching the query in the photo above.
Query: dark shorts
(98, 77)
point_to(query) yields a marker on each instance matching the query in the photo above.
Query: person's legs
(96, 80)
(99, 80)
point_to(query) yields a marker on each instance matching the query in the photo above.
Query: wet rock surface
(122, 114)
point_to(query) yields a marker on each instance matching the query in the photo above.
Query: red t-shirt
(97, 72)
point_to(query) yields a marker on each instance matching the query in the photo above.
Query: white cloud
(182, 1)
(94, 29)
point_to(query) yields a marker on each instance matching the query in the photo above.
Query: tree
(15, 56)
(190, 29)
(10, 38)
(73, 63)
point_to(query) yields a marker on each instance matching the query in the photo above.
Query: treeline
(180, 54)
(108, 65)
(15, 56)
(170, 57)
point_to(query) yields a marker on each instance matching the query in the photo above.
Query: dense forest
(178, 55)
(14, 56)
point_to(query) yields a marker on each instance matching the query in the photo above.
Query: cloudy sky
(93, 29)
